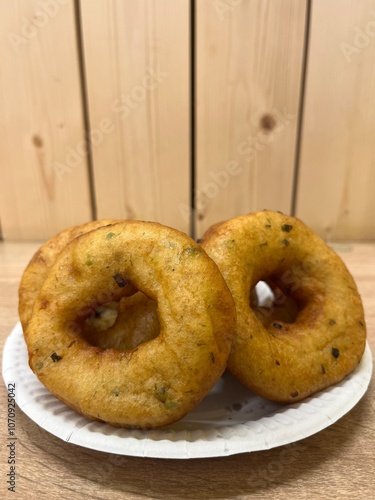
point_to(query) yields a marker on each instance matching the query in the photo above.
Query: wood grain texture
(137, 64)
(335, 463)
(249, 61)
(40, 119)
(337, 172)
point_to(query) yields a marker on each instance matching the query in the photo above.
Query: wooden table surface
(338, 462)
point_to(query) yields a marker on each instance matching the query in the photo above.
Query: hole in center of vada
(122, 325)
(272, 305)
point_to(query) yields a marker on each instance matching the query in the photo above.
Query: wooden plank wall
(249, 65)
(133, 109)
(137, 67)
(130, 102)
(337, 166)
(41, 120)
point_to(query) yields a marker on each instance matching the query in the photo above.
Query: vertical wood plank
(337, 167)
(43, 188)
(249, 61)
(137, 62)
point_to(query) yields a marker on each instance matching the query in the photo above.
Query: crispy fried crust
(288, 361)
(42, 261)
(136, 318)
(159, 381)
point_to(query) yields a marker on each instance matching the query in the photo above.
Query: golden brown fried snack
(285, 361)
(40, 264)
(159, 381)
(121, 325)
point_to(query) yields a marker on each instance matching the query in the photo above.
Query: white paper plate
(229, 420)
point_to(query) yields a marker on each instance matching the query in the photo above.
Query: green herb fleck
(160, 393)
(332, 322)
(109, 236)
(230, 243)
(169, 405)
(55, 357)
(286, 228)
(39, 365)
(192, 251)
(278, 326)
(120, 280)
(335, 352)
(89, 261)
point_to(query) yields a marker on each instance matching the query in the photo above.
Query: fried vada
(288, 358)
(158, 381)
